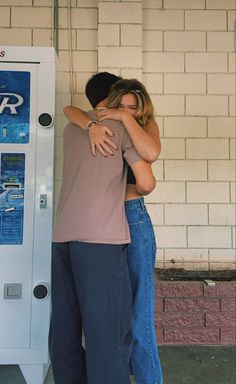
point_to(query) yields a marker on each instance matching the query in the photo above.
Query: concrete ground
(181, 365)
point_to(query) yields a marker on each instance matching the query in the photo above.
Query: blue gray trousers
(90, 291)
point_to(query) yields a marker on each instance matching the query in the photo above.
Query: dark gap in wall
(178, 274)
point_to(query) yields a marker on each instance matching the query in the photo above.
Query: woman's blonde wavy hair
(145, 109)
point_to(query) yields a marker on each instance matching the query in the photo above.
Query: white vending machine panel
(27, 97)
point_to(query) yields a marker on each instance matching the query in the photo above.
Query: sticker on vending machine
(12, 180)
(14, 107)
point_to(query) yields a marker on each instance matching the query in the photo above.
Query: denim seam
(147, 303)
(147, 314)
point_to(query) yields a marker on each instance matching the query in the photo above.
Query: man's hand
(98, 135)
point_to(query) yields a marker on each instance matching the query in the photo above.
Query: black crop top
(130, 177)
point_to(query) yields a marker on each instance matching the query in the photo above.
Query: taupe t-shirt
(91, 203)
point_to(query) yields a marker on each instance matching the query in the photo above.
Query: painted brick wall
(187, 51)
(183, 51)
(194, 313)
(124, 54)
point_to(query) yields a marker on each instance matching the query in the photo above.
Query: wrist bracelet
(90, 123)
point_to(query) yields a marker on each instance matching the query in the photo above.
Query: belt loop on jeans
(141, 202)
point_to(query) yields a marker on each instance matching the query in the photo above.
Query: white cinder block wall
(183, 51)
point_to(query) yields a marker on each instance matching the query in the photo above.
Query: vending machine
(27, 98)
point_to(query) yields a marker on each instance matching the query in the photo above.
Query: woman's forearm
(146, 140)
(148, 146)
(76, 116)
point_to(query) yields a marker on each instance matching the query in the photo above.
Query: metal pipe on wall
(71, 71)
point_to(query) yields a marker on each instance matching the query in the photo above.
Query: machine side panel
(17, 195)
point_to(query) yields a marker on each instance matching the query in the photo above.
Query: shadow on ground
(198, 365)
(181, 365)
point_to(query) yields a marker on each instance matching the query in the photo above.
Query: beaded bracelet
(90, 123)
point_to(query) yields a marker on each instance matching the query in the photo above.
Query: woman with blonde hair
(129, 102)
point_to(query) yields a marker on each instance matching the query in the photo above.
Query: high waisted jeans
(145, 362)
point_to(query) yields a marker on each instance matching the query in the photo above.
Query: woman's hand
(98, 135)
(111, 113)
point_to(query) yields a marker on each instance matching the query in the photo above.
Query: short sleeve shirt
(91, 202)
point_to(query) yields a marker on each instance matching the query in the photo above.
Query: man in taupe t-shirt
(90, 279)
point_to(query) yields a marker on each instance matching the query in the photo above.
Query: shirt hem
(95, 241)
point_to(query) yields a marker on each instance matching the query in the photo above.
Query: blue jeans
(145, 362)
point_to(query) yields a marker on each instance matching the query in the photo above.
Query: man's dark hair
(98, 87)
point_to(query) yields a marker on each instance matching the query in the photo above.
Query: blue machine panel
(14, 107)
(12, 180)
